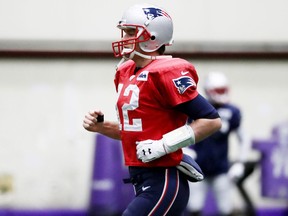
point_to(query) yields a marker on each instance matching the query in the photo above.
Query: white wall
(43, 144)
(257, 21)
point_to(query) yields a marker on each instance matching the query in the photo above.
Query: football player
(212, 152)
(156, 95)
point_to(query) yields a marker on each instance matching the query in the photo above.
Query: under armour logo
(149, 151)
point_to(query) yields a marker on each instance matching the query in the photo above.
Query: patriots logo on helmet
(183, 83)
(152, 13)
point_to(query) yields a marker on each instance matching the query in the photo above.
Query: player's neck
(141, 62)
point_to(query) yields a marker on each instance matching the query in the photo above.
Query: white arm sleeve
(178, 138)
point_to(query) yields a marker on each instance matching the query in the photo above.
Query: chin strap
(150, 57)
(132, 54)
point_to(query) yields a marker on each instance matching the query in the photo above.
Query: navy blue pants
(159, 192)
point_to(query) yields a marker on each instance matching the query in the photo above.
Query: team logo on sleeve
(183, 83)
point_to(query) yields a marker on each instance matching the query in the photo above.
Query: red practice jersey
(146, 101)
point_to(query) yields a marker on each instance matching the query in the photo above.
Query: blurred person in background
(212, 153)
(156, 95)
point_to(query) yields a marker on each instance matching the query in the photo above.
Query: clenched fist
(93, 120)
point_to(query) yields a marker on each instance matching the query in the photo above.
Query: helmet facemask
(123, 47)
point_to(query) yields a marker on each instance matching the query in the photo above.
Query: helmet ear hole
(153, 37)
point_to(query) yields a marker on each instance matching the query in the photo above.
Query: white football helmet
(154, 28)
(217, 88)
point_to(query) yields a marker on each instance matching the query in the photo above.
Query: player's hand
(236, 171)
(93, 120)
(149, 150)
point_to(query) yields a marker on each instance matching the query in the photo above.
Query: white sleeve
(178, 138)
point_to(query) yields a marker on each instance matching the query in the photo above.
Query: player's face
(131, 37)
(128, 41)
(129, 33)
